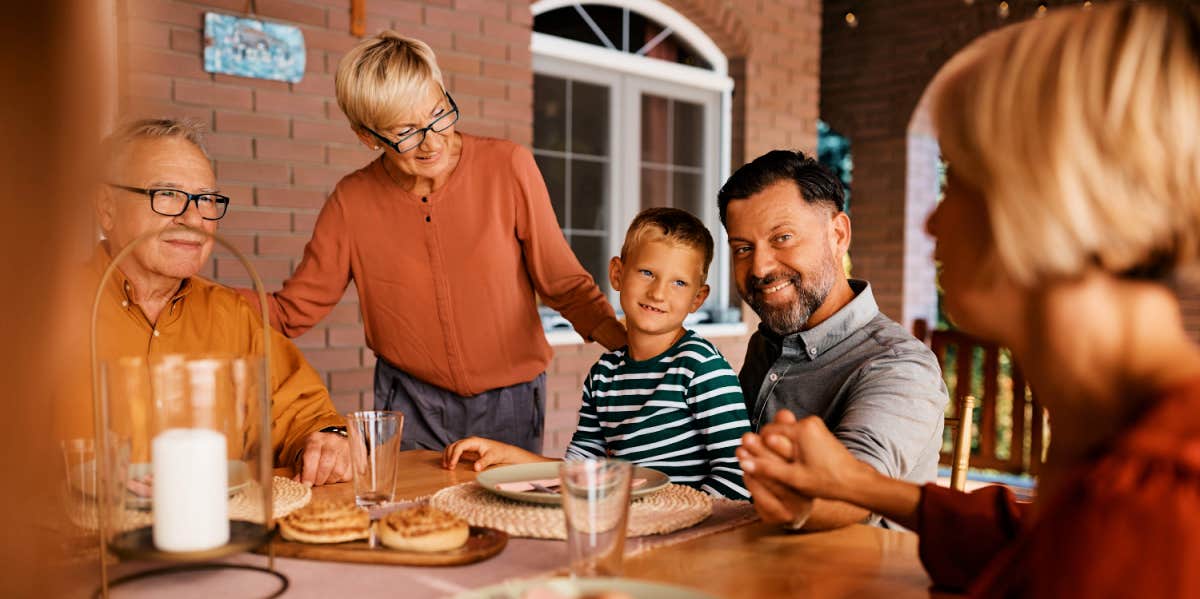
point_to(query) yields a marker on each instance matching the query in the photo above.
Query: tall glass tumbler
(595, 503)
(374, 455)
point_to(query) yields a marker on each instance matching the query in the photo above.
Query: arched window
(631, 110)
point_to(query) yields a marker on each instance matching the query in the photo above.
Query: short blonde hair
(1082, 132)
(381, 77)
(673, 225)
(115, 145)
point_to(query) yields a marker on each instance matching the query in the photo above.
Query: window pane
(654, 187)
(549, 113)
(689, 134)
(589, 188)
(686, 193)
(554, 171)
(654, 129)
(589, 119)
(593, 254)
(565, 22)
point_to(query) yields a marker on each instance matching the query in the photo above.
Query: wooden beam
(358, 17)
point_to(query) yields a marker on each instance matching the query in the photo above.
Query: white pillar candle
(191, 510)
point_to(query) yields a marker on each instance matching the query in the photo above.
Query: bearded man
(823, 347)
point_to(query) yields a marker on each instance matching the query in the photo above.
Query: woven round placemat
(673, 508)
(289, 496)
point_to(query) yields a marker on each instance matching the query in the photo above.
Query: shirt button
(427, 219)
(812, 352)
(424, 199)
(125, 303)
(774, 377)
(155, 332)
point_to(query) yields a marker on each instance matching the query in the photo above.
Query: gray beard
(791, 318)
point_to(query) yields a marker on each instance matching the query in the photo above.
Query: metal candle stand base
(171, 570)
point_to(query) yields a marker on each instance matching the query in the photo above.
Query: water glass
(374, 455)
(596, 507)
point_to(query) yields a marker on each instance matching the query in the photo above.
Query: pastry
(425, 529)
(326, 522)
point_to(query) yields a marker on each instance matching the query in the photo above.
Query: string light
(1041, 9)
(851, 19)
(1087, 5)
(968, 2)
(1002, 10)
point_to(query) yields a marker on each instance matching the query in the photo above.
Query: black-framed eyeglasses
(412, 140)
(173, 202)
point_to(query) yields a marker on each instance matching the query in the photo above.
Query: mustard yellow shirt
(206, 318)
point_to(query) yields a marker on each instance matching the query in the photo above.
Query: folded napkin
(523, 486)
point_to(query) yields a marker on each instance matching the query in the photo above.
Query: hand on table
(324, 460)
(790, 462)
(485, 452)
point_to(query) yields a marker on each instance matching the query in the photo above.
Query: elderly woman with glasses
(449, 239)
(1071, 216)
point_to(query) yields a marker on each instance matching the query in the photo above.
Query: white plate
(568, 588)
(489, 479)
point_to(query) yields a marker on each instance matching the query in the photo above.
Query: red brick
(155, 87)
(191, 91)
(343, 313)
(483, 47)
(250, 219)
(519, 14)
(281, 245)
(408, 12)
(148, 33)
(290, 150)
(442, 18)
(293, 12)
(303, 222)
(441, 40)
(520, 54)
(240, 196)
(165, 62)
(520, 93)
(150, 108)
(187, 40)
(323, 131)
(507, 32)
(349, 157)
(317, 176)
(459, 63)
(346, 336)
(368, 357)
(519, 133)
(323, 39)
(498, 109)
(244, 242)
(489, 8)
(227, 146)
(314, 61)
(291, 103)
(507, 72)
(475, 86)
(342, 381)
(343, 358)
(310, 339)
(315, 83)
(275, 268)
(250, 82)
(166, 11)
(345, 403)
(238, 122)
(252, 172)
(483, 128)
(290, 198)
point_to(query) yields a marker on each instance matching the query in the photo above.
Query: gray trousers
(435, 417)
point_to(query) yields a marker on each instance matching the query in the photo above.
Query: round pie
(425, 529)
(326, 522)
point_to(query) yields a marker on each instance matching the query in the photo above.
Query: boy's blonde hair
(674, 226)
(380, 79)
(1082, 133)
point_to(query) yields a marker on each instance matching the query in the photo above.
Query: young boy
(668, 400)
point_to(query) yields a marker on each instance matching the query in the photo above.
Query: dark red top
(1127, 524)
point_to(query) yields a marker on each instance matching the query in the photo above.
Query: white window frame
(628, 76)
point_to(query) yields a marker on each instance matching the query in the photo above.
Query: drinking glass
(596, 506)
(374, 455)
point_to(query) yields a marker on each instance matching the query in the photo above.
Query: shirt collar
(118, 284)
(815, 341)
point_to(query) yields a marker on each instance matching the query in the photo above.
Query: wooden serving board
(482, 544)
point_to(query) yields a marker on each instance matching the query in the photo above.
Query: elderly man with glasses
(160, 183)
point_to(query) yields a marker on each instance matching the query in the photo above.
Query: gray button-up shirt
(877, 387)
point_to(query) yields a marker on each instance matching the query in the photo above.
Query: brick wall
(279, 148)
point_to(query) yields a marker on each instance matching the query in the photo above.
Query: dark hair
(675, 225)
(815, 182)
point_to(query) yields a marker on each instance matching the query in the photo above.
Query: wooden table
(751, 561)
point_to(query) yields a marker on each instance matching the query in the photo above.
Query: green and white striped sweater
(680, 412)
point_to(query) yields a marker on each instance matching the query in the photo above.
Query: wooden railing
(1007, 414)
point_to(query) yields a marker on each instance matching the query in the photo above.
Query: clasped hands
(791, 462)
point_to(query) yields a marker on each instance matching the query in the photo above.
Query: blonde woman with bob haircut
(449, 239)
(1071, 215)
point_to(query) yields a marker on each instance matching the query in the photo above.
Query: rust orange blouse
(1125, 525)
(447, 281)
